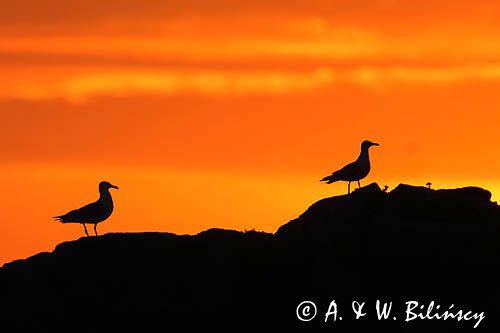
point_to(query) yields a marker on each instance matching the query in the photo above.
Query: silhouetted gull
(354, 171)
(93, 213)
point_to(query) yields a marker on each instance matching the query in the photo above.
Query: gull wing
(346, 173)
(83, 214)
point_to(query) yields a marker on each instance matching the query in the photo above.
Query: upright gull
(354, 171)
(93, 213)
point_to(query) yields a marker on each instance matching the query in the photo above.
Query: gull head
(104, 186)
(367, 144)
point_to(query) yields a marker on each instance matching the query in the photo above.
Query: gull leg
(359, 185)
(95, 229)
(349, 188)
(84, 227)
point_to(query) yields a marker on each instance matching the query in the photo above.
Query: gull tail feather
(62, 219)
(329, 179)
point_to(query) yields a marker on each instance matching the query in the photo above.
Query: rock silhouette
(354, 171)
(412, 243)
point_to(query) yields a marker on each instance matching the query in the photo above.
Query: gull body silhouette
(354, 171)
(93, 213)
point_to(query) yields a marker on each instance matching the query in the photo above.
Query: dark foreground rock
(412, 244)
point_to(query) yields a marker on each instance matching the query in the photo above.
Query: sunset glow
(227, 113)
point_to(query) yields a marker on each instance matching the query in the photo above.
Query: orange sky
(226, 113)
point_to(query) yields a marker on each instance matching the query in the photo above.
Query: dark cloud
(63, 12)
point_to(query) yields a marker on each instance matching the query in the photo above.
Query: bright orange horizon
(227, 113)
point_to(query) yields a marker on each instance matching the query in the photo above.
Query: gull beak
(375, 144)
(113, 186)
